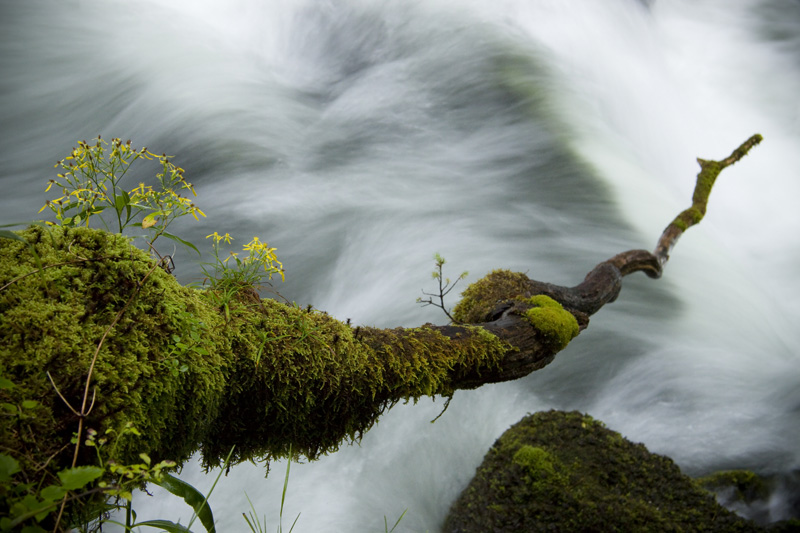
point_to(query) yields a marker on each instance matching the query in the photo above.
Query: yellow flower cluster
(260, 256)
(90, 184)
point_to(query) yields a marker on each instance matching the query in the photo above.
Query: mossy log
(93, 335)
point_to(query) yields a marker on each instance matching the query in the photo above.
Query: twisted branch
(504, 294)
(603, 283)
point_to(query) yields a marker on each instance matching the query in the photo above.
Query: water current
(361, 137)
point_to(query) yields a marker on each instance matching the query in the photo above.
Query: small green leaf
(52, 493)
(178, 239)
(127, 205)
(33, 529)
(166, 525)
(6, 383)
(8, 467)
(79, 477)
(30, 404)
(120, 201)
(191, 496)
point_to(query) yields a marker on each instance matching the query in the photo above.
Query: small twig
(446, 405)
(444, 287)
(61, 395)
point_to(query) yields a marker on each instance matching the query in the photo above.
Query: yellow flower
(217, 237)
(252, 245)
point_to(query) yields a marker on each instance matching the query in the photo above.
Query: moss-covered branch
(268, 378)
(265, 376)
(709, 170)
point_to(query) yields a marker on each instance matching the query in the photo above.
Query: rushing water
(538, 135)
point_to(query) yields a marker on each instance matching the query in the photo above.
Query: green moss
(544, 473)
(557, 325)
(558, 471)
(745, 485)
(264, 376)
(481, 297)
(535, 459)
(709, 171)
(55, 329)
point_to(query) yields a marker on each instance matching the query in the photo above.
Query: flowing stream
(543, 136)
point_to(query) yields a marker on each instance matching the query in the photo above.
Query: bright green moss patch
(557, 325)
(559, 471)
(535, 459)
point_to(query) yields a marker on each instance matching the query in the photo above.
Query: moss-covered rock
(737, 485)
(557, 471)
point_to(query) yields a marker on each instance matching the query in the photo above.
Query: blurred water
(361, 137)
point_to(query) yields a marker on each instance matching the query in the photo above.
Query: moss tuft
(557, 325)
(481, 297)
(52, 322)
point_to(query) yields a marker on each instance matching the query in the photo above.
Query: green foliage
(226, 281)
(97, 274)
(52, 335)
(191, 341)
(33, 503)
(192, 497)
(90, 183)
(36, 504)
